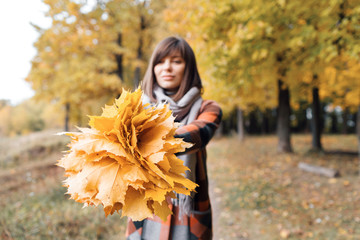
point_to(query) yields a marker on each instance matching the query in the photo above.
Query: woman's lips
(167, 77)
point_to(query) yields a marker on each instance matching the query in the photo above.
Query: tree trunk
(119, 60)
(345, 114)
(283, 120)
(67, 116)
(265, 122)
(219, 131)
(315, 120)
(240, 123)
(334, 128)
(358, 133)
(139, 52)
(308, 121)
(262, 122)
(272, 117)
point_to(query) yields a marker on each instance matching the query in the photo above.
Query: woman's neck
(170, 93)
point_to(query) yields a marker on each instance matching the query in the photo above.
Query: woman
(172, 77)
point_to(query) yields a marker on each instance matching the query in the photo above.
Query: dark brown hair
(165, 48)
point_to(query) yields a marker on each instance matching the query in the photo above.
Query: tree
(89, 54)
(137, 26)
(253, 43)
(258, 48)
(333, 43)
(75, 59)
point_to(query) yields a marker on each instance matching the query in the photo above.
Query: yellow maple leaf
(162, 210)
(126, 160)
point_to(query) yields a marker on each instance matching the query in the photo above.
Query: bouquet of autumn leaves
(126, 161)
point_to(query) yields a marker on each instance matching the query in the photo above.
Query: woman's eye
(177, 61)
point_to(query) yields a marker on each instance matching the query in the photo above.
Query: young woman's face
(169, 72)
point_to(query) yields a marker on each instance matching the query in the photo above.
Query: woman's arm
(200, 131)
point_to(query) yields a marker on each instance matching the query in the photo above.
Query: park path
(216, 209)
(30, 175)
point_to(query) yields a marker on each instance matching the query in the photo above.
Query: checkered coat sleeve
(202, 129)
(199, 224)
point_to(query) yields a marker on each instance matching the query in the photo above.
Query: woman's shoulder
(210, 105)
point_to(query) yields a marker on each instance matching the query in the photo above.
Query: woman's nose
(167, 64)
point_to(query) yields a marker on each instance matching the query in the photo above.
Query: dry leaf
(284, 233)
(126, 160)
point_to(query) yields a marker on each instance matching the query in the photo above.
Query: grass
(51, 215)
(263, 195)
(33, 201)
(21, 150)
(256, 193)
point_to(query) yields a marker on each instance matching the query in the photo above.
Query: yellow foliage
(28, 116)
(237, 42)
(5, 115)
(341, 83)
(126, 160)
(86, 55)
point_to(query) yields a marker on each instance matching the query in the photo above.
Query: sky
(16, 45)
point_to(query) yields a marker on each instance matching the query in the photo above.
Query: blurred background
(284, 163)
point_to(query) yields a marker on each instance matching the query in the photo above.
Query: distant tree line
(257, 122)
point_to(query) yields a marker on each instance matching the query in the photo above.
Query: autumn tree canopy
(263, 52)
(259, 54)
(91, 52)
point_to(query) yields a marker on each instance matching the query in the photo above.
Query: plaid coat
(199, 224)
